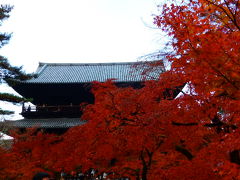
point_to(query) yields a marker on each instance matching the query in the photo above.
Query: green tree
(6, 69)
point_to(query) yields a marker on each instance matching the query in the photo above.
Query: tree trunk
(144, 173)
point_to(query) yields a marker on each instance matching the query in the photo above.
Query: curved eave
(45, 123)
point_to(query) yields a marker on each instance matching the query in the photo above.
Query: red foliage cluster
(146, 134)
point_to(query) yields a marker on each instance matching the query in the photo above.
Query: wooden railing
(59, 108)
(51, 111)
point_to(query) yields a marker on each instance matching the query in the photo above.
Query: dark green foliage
(11, 98)
(7, 70)
(12, 72)
(4, 14)
(5, 112)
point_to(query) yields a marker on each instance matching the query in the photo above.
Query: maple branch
(236, 7)
(146, 165)
(233, 14)
(159, 144)
(231, 19)
(184, 124)
(150, 154)
(215, 69)
(144, 169)
(227, 4)
(135, 172)
(213, 124)
(126, 119)
(221, 74)
(217, 16)
(229, 57)
(118, 115)
(184, 151)
(218, 71)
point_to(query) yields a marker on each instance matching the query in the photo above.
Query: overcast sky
(80, 31)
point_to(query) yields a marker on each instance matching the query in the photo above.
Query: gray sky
(80, 31)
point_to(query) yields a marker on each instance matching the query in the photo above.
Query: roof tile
(83, 73)
(46, 123)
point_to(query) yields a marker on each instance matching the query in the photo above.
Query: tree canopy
(147, 133)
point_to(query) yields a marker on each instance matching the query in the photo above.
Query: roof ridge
(41, 69)
(89, 64)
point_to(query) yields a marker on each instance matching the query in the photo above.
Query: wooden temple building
(58, 89)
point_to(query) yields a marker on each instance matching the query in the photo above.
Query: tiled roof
(83, 73)
(46, 123)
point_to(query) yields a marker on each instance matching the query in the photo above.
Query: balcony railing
(51, 111)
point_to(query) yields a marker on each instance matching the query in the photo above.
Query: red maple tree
(147, 133)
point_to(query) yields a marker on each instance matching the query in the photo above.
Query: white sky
(80, 31)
